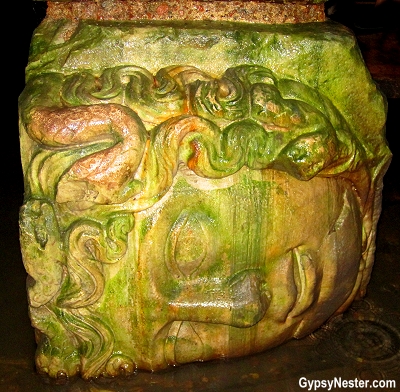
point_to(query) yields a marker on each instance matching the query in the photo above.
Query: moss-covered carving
(193, 191)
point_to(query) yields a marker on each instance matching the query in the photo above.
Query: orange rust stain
(199, 8)
(162, 9)
(192, 163)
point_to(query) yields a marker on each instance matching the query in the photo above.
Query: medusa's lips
(305, 279)
(252, 298)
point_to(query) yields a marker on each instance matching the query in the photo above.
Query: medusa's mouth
(305, 281)
(293, 283)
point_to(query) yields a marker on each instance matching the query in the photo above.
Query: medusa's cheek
(312, 281)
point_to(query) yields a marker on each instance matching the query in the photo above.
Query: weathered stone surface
(206, 1)
(194, 190)
(239, 11)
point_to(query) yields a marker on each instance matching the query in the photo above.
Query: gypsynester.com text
(339, 383)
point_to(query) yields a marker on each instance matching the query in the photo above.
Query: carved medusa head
(184, 216)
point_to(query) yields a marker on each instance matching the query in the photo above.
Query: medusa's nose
(240, 302)
(250, 299)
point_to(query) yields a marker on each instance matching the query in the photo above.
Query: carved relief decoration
(105, 148)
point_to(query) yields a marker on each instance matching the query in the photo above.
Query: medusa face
(227, 265)
(184, 217)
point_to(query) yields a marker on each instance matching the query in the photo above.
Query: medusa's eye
(189, 245)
